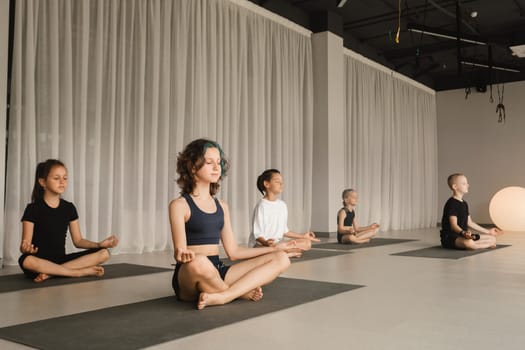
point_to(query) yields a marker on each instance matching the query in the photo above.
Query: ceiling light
(474, 14)
(341, 3)
(476, 64)
(446, 36)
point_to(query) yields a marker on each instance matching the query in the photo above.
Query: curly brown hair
(191, 159)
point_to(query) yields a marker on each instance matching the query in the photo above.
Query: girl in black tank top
(348, 231)
(198, 221)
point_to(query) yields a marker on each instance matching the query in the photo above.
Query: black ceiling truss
(467, 49)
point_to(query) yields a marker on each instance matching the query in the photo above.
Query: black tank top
(349, 218)
(203, 228)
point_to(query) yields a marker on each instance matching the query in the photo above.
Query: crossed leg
(485, 241)
(244, 279)
(86, 265)
(359, 238)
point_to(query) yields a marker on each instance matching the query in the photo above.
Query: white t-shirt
(270, 220)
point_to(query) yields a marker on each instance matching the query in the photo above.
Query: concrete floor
(477, 302)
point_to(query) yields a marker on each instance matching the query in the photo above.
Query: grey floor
(476, 302)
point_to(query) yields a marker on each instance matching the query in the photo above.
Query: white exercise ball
(507, 209)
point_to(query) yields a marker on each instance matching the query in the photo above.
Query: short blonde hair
(452, 179)
(345, 193)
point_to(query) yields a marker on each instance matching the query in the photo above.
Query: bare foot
(294, 254)
(97, 271)
(41, 277)
(208, 299)
(253, 295)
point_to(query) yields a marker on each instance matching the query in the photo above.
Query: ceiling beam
(392, 15)
(422, 50)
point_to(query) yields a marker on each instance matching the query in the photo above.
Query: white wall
(471, 141)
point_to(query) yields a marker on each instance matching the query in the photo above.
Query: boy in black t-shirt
(456, 222)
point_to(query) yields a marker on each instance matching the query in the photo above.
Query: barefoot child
(456, 221)
(199, 222)
(44, 227)
(348, 231)
(270, 216)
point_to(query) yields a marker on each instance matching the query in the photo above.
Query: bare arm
(307, 235)
(453, 220)
(341, 228)
(236, 252)
(492, 231)
(359, 229)
(179, 212)
(81, 242)
(26, 246)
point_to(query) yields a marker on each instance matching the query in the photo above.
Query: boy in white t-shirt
(270, 216)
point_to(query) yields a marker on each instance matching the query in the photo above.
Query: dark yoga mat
(375, 242)
(16, 282)
(156, 321)
(439, 252)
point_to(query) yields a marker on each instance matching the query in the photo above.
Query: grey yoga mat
(439, 252)
(375, 242)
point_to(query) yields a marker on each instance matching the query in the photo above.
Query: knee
(470, 244)
(307, 244)
(29, 262)
(282, 260)
(199, 266)
(104, 255)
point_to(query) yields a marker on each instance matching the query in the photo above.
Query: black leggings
(59, 259)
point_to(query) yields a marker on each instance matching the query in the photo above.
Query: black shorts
(217, 263)
(340, 239)
(57, 259)
(448, 239)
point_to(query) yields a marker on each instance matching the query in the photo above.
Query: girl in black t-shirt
(44, 227)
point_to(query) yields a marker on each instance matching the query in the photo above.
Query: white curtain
(115, 89)
(391, 149)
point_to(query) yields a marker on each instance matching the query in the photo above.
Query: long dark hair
(265, 176)
(191, 159)
(42, 172)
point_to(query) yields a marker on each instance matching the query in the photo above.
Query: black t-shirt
(50, 226)
(455, 207)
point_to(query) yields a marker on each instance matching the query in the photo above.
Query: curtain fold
(391, 149)
(115, 89)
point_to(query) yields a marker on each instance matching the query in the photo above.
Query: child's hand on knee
(27, 248)
(184, 255)
(311, 236)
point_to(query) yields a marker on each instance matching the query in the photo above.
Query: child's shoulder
(277, 203)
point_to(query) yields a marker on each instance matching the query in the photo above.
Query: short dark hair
(191, 159)
(265, 176)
